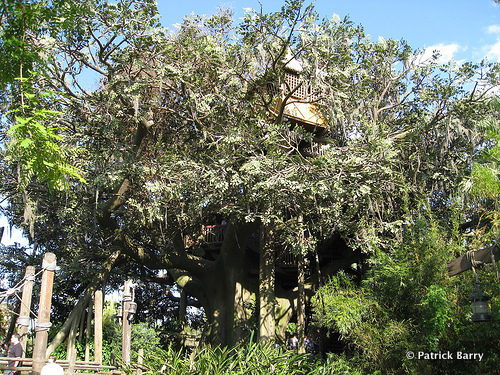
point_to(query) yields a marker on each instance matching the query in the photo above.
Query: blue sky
(461, 29)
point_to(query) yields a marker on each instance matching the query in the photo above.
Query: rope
(49, 266)
(29, 277)
(23, 321)
(473, 263)
(28, 307)
(43, 326)
(494, 263)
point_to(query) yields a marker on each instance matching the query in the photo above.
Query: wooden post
(23, 321)
(88, 331)
(71, 349)
(98, 303)
(183, 316)
(127, 327)
(140, 360)
(43, 321)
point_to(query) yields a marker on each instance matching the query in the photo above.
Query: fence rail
(90, 367)
(214, 233)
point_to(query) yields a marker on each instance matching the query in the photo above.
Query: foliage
(253, 358)
(34, 138)
(182, 128)
(342, 305)
(436, 316)
(4, 319)
(36, 147)
(407, 303)
(142, 337)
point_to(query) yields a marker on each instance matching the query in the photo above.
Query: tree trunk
(226, 285)
(266, 285)
(301, 303)
(83, 302)
(283, 314)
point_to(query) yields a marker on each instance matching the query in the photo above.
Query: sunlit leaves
(35, 143)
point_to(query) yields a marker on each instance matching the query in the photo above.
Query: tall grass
(251, 359)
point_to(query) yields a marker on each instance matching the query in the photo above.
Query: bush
(407, 302)
(251, 359)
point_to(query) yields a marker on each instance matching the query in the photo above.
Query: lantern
(480, 307)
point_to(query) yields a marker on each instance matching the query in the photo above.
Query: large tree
(180, 129)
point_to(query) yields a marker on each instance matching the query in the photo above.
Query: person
(15, 351)
(295, 342)
(52, 368)
(309, 345)
(5, 350)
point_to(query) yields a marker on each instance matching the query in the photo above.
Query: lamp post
(480, 307)
(129, 308)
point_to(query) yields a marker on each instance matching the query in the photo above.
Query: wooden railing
(78, 366)
(287, 259)
(213, 233)
(25, 367)
(316, 149)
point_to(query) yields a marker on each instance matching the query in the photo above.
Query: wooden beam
(43, 321)
(98, 309)
(462, 263)
(23, 321)
(127, 321)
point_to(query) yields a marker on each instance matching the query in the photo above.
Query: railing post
(128, 289)
(88, 330)
(98, 303)
(23, 321)
(140, 360)
(43, 321)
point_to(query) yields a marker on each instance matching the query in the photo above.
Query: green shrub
(251, 359)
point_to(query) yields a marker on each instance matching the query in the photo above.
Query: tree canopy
(123, 139)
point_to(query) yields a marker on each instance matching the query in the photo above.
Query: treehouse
(298, 102)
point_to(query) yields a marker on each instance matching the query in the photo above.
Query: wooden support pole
(43, 321)
(98, 308)
(127, 326)
(140, 360)
(88, 331)
(23, 321)
(71, 349)
(183, 316)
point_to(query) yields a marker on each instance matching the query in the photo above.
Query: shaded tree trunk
(301, 303)
(83, 302)
(227, 287)
(266, 285)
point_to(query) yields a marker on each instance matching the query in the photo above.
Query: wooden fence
(79, 367)
(34, 365)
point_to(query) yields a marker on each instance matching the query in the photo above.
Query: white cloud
(446, 52)
(493, 29)
(493, 53)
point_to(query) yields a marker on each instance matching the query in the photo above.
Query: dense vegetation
(122, 140)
